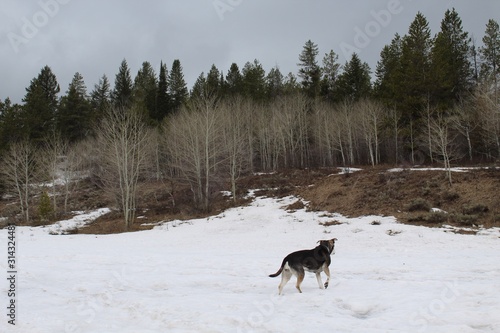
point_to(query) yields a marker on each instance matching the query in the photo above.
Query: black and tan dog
(316, 260)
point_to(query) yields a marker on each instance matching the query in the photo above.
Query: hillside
(414, 196)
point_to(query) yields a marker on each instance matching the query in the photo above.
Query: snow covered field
(211, 275)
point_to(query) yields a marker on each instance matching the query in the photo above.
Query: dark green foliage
(177, 89)
(329, 80)
(309, 70)
(45, 209)
(162, 97)
(274, 83)
(419, 204)
(254, 81)
(234, 81)
(74, 116)
(490, 53)
(451, 68)
(387, 72)
(145, 90)
(100, 100)
(122, 93)
(354, 82)
(40, 106)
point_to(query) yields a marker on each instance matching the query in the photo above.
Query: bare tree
(444, 142)
(235, 117)
(195, 146)
(124, 143)
(20, 170)
(489, 111)
(371, 115)
(464, 121)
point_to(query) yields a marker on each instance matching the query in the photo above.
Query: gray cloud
(92, 37)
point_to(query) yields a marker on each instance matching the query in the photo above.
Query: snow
(211, 275)
(455, 169)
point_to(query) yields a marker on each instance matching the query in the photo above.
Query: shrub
(419, 204)
(475, 209)
(45, 209)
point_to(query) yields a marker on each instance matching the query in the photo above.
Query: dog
(316, 260)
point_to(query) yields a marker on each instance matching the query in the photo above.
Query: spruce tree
(122, 93)
(490, 54)
(40, 106)
(214, 85)
(162, 98)
(274, 83)
(331, 71)
(254, 81)
(199, 88)
(414, 76)
(177, 88)
(354, 82)
(234, 81)
(74, 116)
(100, 99)
(388, 67)
(309, 70)
(145, 89)
(451, 68)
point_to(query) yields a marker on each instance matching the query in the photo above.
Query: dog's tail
(280, 270)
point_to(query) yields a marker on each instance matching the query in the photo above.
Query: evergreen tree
(290, 84)
(234, 81)
(214, 86)
(11, 124)
(199, 88)
(490, 53)
(40, 105)
(100, 99)
(388, 67)
(177, 89)
(331, 69)
(354, 83)
(274, 83)
(414, 76)
(74, 116)
(145, 89)
(451, 68)
(309, 70)
(162, 98)
(122, 93)
(254, 81)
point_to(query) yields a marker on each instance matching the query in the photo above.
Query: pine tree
(490, 54)
(74, 116)
(274, 83)
(254, 81)
(40, 105)
(451, 68)
(122, 93)
(100, 99)
(145, 89)
(177, 89)
(414, 76)
(214, 85)
(388, 67)
(309, 70)
(162, 98)
(331, 70)
(354, 82)
(234, 81)
(199, 88)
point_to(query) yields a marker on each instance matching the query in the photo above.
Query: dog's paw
(326, 285)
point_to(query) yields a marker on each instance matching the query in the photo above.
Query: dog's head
(329, 244)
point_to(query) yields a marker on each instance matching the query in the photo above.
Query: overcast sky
(93, 37)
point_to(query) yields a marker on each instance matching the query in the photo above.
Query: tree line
(433, 99)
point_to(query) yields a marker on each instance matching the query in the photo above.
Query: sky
(93, 37)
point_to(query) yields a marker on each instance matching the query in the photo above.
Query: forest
(430, 99)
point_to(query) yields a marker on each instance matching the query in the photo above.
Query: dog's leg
(300, 278)
(285, 277)
(327, 272)
(320, 283)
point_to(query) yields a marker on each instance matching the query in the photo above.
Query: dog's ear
(334, 240)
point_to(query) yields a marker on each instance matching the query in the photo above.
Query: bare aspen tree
(490, 114)
(235, 118)
(371, 115)
(395, 118)
(195, 146)
(443, 142)
(51, 155)
(463, 120)
(347, 116)
(20, 170)
(72, 170)
(124, 143)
